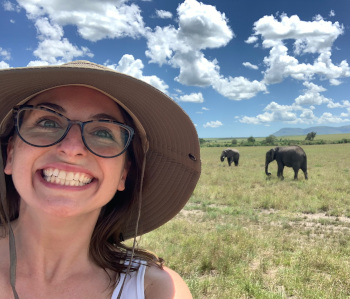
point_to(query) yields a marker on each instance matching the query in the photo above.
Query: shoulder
(165, 283)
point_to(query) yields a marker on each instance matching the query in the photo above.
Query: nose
(72, 144)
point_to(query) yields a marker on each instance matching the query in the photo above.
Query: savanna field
(243, 235)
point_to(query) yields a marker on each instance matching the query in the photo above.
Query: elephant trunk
(222, 158)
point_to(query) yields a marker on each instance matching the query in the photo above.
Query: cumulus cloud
(5, 54)
(193, 98)
(52, 47)
(163, 14)
(213, 124)
(250, 66)
(4, 65)
(200, 27)
(134, 67)
(296, 113)
(238, 88)
(310, 37)
(59, 51)
(195, 69)
(106, 19)
(9, 6)
(312, 95)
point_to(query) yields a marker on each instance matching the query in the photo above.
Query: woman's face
(31, 167)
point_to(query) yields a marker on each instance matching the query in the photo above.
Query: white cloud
(59, 51)
(195, 69)
(332, 13)
(213, 124)
(163, 14)
(205, 108)
(9, 6)
(330, 118)
(200, 26)
(5, 54)
(134, 67)
(315, 37)
(312, 95)
(251, 39)
(275, 112)
(95, 20)
(193, 98)
(4, 65)
(47, 30)
(250, 66)
(238, 88)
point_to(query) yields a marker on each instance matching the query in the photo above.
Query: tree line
(270, 140)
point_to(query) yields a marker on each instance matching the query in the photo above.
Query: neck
(52, 246)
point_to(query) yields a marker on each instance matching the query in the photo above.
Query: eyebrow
(60, 109)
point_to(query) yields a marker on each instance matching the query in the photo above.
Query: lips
(66, 178)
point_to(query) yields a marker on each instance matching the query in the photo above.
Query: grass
(242, 235)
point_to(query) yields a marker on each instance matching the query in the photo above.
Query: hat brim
(173, 158)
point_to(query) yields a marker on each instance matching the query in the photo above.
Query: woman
(91, 158)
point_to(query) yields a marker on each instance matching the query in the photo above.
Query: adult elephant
(290, 156)
(231, 154)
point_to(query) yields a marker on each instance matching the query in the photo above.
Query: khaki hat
(168, 135)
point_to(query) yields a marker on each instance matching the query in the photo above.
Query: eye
(48, 123)
(103, 134)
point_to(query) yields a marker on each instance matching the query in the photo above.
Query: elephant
(290, 156)
(231, 154)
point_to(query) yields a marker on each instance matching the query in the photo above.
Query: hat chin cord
(12, 244)
(13, 259)
(137, 223)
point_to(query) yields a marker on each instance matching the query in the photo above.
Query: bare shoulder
(165, 284)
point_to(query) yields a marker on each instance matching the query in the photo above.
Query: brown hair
(106, 246)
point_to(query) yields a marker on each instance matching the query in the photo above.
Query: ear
(272, 153)
(9, 159)
(124, 174)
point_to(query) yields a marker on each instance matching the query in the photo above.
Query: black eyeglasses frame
(82, 124)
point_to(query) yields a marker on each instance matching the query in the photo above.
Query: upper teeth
(68, 178)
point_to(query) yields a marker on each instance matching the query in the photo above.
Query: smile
(66, 178)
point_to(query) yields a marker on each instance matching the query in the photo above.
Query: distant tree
(251, 139)
(234, 141)
(310, 136)
(270, 139)
(201, 141)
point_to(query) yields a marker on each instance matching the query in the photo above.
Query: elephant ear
(272, 153)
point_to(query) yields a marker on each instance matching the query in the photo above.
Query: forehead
(79, 101)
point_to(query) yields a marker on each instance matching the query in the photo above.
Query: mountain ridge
(320, 130)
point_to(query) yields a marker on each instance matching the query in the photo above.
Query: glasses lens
(40, 127)
(106, 138)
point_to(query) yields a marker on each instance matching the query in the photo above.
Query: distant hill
(323, 130)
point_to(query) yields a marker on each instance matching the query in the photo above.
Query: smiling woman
(97, 157)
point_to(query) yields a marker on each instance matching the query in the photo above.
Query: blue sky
(238, 68)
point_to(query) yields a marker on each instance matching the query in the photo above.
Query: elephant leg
(229, 161)
(296, 170)
(280, 171)
(305, 172)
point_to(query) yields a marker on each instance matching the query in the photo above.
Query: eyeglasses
(43, 127)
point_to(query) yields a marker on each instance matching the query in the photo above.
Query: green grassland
(243, 235)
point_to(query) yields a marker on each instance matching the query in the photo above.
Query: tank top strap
(134, 287)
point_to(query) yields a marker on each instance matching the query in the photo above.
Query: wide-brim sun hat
(168, 135)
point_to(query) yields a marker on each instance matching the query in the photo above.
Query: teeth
(62, 177)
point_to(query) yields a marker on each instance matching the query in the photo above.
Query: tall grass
(245, 236)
